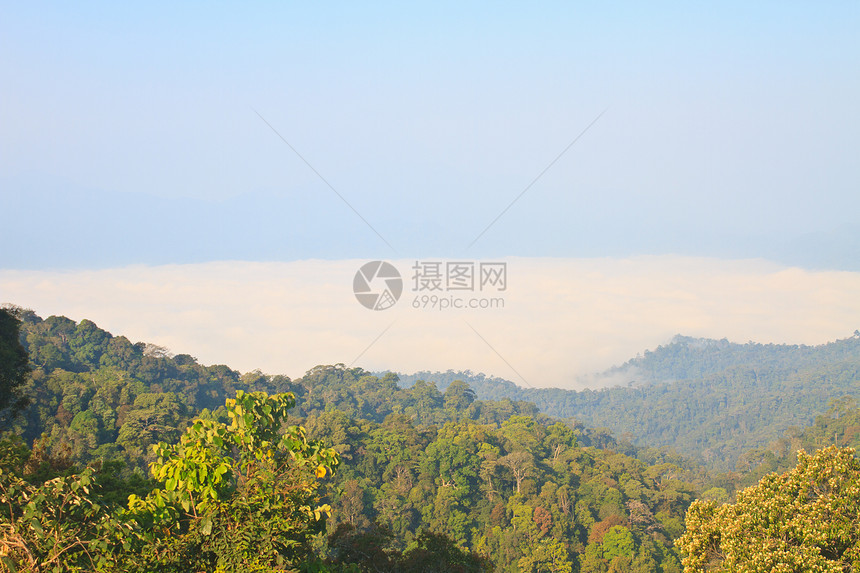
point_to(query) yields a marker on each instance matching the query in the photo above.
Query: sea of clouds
(562, 318)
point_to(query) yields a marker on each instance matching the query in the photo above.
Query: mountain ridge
(710, 399)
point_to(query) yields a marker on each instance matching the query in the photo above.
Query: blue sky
(130, 135)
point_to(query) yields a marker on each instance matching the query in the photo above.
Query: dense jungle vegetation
(122, 456)
(710, 400)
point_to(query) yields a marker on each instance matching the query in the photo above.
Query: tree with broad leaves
(802, 520)
(241, 496)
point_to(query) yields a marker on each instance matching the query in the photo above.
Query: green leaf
(206, 525)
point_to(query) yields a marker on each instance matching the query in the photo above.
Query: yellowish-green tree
(807, 519)
(235, 497)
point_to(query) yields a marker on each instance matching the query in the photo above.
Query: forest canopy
(192, 467)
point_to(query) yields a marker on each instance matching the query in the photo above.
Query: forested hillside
(838, 426)
(686, 358)
(344, 471)
(710, 400)
(423, 474)
(94, 394)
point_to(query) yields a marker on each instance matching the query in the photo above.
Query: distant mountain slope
(709, 399)
(839, 425)
(686, 358)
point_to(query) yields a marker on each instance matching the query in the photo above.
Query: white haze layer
(562, 318)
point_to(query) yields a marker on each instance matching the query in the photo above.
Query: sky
(263, 143)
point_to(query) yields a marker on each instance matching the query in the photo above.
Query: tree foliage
(58, 525)
(433, 477)
(237, 496)
(801, 520)
(14, 365)
(710, 400)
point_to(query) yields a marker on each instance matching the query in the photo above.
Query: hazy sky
(131, 135)
(731, 129)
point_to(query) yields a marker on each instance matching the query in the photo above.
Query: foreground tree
(241, 496)
(14, 365)
(238, 496)
(59, 525)
(803, 520)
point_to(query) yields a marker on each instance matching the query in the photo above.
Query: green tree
(241, 496)
(523, 433)
(458, 396)
(58, 526)
(521, 465)
(618, 541)
(549, 555)
(425, 399)
(435, 552)
(802, 520)
(152, 417)
(559, 439)
(14, 365)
